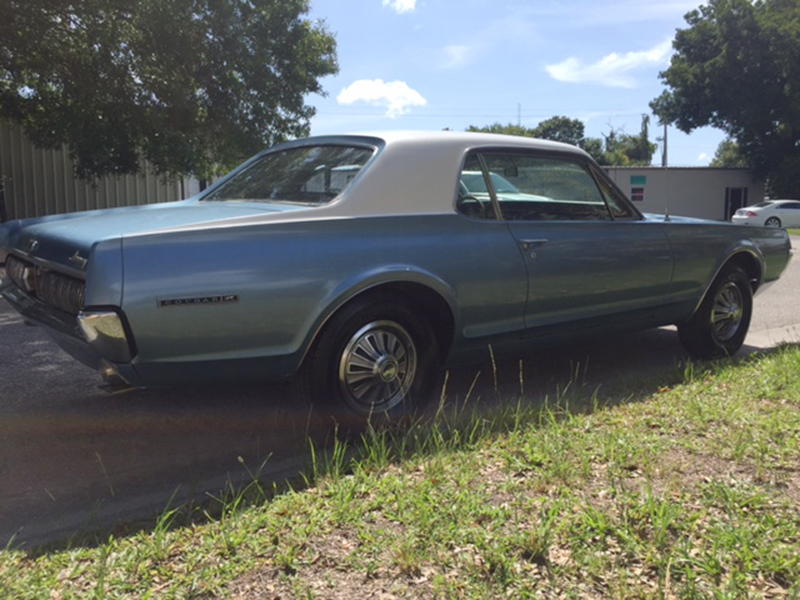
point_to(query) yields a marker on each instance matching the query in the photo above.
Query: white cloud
(456, 56)
(703, 158)
(612, 70)
(396, 96)
(515, 30)
(401, 6)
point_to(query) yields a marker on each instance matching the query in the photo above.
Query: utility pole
(664, 151)
(519, 114)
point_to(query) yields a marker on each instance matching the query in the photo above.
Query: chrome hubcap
(388, 369)
(377, 367)
(726, 315)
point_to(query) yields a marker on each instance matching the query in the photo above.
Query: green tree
(728, 155)
(616, 148)
(559, 129)
(784, 181)
(596, 149)
(192, 86)
(509, 129)
(627, 150)
(737, 67)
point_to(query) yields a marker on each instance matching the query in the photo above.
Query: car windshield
(763, 204)
(310, 175)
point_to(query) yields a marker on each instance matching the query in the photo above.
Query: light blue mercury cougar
(362, 263)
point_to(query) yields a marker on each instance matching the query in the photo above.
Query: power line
(523, 115)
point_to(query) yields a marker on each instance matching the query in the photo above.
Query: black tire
(719, 326)
(772, 222)
(374, 360)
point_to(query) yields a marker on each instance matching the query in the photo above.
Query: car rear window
(310, 175)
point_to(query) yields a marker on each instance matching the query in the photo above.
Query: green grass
(691, 490)
(793, 231)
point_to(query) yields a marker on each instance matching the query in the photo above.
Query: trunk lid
(66, 240)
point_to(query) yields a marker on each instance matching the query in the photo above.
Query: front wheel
(374, 358)
(720, 325)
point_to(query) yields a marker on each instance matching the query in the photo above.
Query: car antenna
(666, 214)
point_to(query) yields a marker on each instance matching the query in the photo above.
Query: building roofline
(657, 168)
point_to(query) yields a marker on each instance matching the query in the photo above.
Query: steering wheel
(472, 206)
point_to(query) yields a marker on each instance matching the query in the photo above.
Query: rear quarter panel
(289, 277)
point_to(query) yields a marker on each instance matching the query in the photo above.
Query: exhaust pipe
(114, 382)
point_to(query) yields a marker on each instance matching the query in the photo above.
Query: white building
(704, 192)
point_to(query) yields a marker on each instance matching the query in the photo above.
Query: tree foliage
(784, 182)
(627, 150)
(728, 155)
(509, 129)
(559, 129)
(615, 148)
(737, 67)
(189, 85)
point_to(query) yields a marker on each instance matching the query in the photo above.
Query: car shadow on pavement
(119, 462)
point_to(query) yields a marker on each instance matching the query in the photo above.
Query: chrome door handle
(531, 246)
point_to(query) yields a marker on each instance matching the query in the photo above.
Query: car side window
(619, 207)
(474, 199)
(538, 188)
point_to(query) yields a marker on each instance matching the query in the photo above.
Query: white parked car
(771, 213)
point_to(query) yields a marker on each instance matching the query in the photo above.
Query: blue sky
(431, 64)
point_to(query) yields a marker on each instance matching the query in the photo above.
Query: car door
(591, 259)
(790, 214)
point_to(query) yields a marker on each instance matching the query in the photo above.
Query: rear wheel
(720, 325)
(374, 359)
(773, 222)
